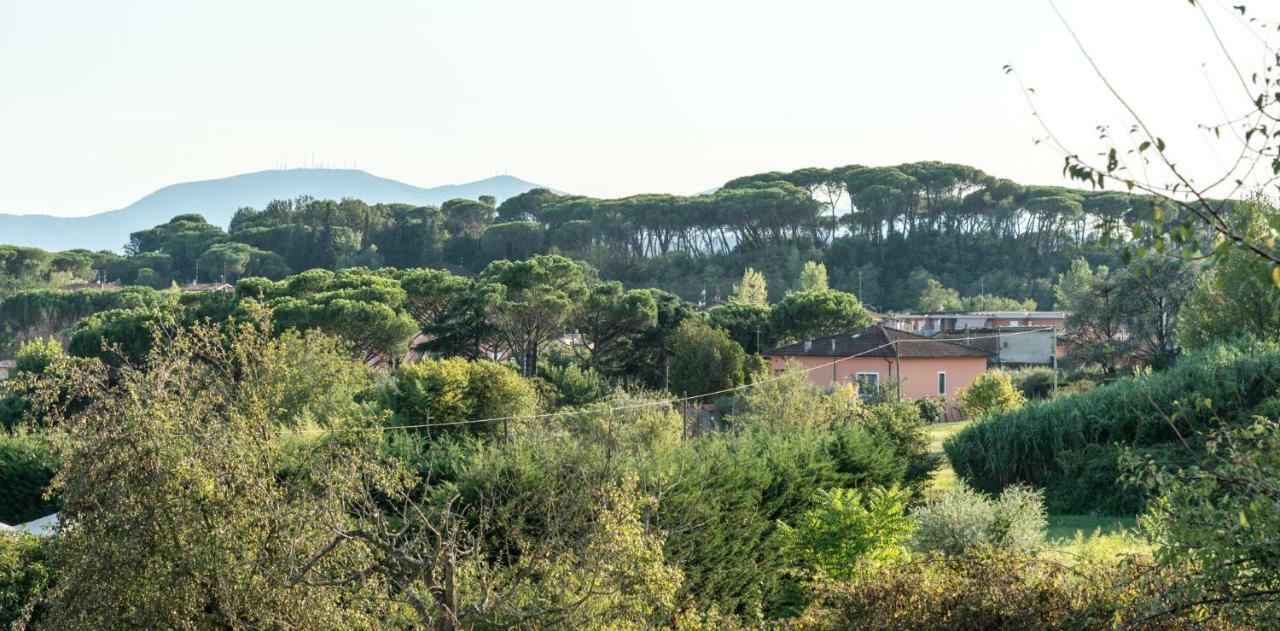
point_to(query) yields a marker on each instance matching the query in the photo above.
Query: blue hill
(218, 200)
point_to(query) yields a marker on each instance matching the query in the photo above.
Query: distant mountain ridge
(218, 200)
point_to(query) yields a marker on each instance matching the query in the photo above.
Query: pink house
(879, 356)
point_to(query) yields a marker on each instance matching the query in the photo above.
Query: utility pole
(834, 363)
(684, 412)
(1054, 351)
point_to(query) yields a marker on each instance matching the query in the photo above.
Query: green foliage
(790, 402)
(720, 496)
(1034, 382)
(990, 591)
(533, 301)
(451, 391)
(901, 422)
(212, 519)
(746, 324)
(120, 335)
(359, 306)
(813, 277)
(932, 409)
(936, 298)
(992, 392)
(574, 386)
(988, 302)
(1122, 314)
(704, 360)
(515, 240)
(1236, 296)
(37, 355)
(752, 289)
(610, 320)
(28, 461)
(963, 521)
(810, 314)
(26, 570)
(846, 527)
(1213, 522)
(1032, 444)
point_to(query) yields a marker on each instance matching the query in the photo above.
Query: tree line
(873, 227)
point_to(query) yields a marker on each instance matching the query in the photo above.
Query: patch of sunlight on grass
(1075, 538)
(944, 479)
(939, 432)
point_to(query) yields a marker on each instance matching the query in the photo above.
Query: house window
(868, 383)
(942, 383)
(1013, 323)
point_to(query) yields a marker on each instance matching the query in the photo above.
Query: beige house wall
(919, 376)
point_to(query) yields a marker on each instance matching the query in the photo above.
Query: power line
(663, 402)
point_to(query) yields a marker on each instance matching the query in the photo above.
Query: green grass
(944, 479)
(1069, 538)
(1075, 538)
(1065, 527)
(939, 432)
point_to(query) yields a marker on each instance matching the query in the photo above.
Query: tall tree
(813, 277)
(810, 314)
(608, 320)
(534, 303)
(752, 290)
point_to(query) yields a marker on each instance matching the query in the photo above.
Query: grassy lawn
(1069, 537)
(944, 479)
(1065, 527)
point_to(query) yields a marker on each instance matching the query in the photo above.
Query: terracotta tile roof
(876, 341)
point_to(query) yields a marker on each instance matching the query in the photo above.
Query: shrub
(720, 496)
(1034, 443)
(964, 521)
(1033, 383)
(991, 392)
(27, 464)
(932, 409)
(1215, 523)
(452, 391)
(24, 574)
(704, 360)
(574, 386)
(900, 421)
(846, 526)
(37, 355)
(988, 591)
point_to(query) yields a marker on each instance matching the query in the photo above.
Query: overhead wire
(646, 404)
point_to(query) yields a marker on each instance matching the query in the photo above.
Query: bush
(988, 591)
(451, 391)
(965, 521)
(1035, 443)
(991, 392)
(720, 496)
(932, 409)
(27, 464)
(1033, 383)
(574, 386)
(24, 575)
(846, 526)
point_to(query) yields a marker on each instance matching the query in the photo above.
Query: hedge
(1071, 445)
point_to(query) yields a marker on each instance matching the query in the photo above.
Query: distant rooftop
(876, 341)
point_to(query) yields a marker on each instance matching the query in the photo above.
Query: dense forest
(882, 233)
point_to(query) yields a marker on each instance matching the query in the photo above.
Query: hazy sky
(103, 102)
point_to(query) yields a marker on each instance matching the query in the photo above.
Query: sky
(102, 103)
